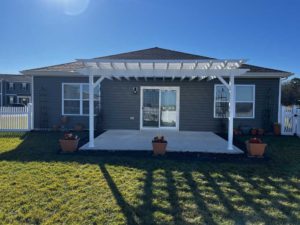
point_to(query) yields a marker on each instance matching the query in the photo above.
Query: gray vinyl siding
(119, 104)
(48, 102)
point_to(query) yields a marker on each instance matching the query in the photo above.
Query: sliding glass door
(160, 107)
(150, 108)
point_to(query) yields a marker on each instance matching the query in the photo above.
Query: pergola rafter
(163, 69)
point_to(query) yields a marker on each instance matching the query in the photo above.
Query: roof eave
(50, 73)
(74, 73)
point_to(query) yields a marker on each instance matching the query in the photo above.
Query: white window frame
(235, 101)
(160, 88)
(81, 100)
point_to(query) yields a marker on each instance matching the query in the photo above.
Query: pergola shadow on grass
(149, 190)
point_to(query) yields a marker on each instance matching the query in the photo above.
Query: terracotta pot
(256, 149)
(159, 148)
(276, 129)
(253, 131)
(68, 145)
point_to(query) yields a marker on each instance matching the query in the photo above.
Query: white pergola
(162, 69)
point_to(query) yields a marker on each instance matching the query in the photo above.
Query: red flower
(255, 140)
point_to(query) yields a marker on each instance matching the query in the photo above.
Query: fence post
(29, 110)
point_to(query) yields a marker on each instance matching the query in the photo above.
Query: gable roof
(15, 78)
(155, 53)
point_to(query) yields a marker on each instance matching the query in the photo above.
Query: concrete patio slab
(178, 141)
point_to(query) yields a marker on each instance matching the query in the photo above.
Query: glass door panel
(150, 108)
(168, 108)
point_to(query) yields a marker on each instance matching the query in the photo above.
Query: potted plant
(276, 128)
(159, 145)
(260, 131)
(254, 131)
(256, 147)
(69, 142)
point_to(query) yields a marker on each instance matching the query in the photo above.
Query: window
(75, 99)
(244, 101)
(24, 86)
(23, 100)
(10, 99)
(11, 86)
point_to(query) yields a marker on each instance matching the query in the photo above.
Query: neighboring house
(156, 88)
(14, 89)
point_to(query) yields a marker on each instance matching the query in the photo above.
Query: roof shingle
(147, 54)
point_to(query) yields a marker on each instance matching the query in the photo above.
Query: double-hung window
(244, 101)
(75, 99)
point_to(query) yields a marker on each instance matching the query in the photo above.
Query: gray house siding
(121, 107)
(196, 103)
(47, 97)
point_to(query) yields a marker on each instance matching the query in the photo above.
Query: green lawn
(39, 186)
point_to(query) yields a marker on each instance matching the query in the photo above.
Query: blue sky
(37, 33)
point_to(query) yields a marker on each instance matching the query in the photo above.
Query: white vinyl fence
(290, 120)
(16, 118)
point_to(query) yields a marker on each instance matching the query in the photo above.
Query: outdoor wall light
(135, 90)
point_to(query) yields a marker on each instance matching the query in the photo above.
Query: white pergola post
(139, 68)
(91, 111)
(231, 112)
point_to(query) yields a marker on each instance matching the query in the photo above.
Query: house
(14, 89)
(156, 89)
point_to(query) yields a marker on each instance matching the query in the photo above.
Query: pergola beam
(190, 69)
(201, 78)
(159, 73)
(98, 81)
(223, 81)
(192, 78)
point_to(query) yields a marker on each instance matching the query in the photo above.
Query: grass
(39, 186)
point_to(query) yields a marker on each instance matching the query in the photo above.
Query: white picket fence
(290, 120)
(16, 118)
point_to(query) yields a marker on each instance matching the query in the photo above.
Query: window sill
(85, 115)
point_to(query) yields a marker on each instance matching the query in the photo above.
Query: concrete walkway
(178, 141)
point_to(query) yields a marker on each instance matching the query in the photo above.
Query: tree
(290, 92)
